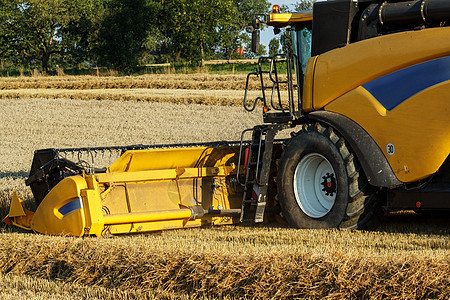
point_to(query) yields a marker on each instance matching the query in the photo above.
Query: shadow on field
(20, 174)
(424, 222)
(408, 222)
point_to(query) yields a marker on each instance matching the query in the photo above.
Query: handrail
(252, 107)
(275, 98)
(240, 156)
(276, 82)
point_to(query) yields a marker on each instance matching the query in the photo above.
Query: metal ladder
(258, 159)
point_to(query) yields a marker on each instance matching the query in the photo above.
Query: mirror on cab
(254, 29)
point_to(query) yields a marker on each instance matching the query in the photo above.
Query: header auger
(366, 96)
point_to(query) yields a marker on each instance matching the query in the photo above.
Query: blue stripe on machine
(392, 89)
(71, 206)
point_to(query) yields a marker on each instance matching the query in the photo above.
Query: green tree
(286, 41)
(274, 45)
(232, 36)
(33, 31)
(304, 4)
(261, 51)
(121, 30)
(155, 43)
(284, 8)
(193, 29)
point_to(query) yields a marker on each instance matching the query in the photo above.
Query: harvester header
(153, 188)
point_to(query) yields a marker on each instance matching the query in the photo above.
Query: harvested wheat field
(408, 257)
(225, 90)
(149, 81)
(239, 262)
(179, 96)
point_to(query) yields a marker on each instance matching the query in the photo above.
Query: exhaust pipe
(414, 13)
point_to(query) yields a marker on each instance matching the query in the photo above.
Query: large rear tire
(321, 184)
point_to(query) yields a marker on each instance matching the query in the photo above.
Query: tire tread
(362, 207)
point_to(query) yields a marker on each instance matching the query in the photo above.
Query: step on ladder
(258, 159)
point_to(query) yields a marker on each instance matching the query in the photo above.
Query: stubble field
(408, 257)
(164, 88)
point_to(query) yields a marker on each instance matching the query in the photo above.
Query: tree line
(122, 34)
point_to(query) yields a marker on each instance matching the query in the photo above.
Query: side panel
(308, 83)
(171, 158)
(341, 70)
(173, 178)
(61, 212)
(413, 133)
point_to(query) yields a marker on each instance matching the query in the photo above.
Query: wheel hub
(315, 185)
(329, 184)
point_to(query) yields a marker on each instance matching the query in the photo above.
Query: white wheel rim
(315, 185)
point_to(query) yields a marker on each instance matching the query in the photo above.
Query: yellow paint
(418, 128)
(159, 159)
(286, 19)
(152, 216)
(163, 174)
(49, 221)
(16, 208)
(151, 226)
(143, 190)
(18, 214)
(341, 70)
(92, 207)
(308, 83)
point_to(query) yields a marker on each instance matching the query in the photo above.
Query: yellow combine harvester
(368, 86)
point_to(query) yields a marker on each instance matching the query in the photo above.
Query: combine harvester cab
(145, 189)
